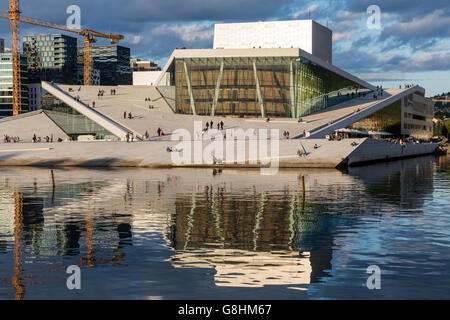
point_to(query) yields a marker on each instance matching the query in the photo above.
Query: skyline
(412, 46)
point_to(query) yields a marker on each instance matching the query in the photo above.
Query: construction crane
(15, 17)
(442, 99)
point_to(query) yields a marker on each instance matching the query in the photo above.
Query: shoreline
(153, 154)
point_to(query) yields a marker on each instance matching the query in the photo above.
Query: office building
(51, 57)
(112, 61)
(6, 85)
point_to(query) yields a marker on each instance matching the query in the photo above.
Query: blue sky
(412, 46)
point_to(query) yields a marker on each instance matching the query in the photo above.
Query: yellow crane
(442, 99)
(15, 17)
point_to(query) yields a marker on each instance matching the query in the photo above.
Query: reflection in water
(252, 232)
(267, 238)
(242, 268)
(17, 279)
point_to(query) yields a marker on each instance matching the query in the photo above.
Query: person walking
(124, 114)
(207, 125)
(128, 137)
(221, 125)
(159, 132)
(211, 124)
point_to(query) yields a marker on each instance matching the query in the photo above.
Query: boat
(440, 150)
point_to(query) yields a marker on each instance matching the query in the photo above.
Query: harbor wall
(327, 154)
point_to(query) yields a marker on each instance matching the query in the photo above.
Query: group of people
(150, 106)
(113, 92)
(100, 94)
(130, 137)
(286, 134)
(358, 110)
(171, 149)
(35, 139)
(46, 139)
(160, 132)
(130, 116)
(404, 141)
(407, 86)
(8, 139)
(209, 125)
(335, 137)
(378, 93)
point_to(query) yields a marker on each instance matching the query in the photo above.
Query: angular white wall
(304, 34)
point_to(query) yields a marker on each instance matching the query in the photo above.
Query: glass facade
(113, 63)
(319, 88)
(72, 122)
(51, 57)
(6, 85)
(388, 119)
(258, 86)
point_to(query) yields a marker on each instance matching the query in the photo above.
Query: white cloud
(434, 24)
(310, 9)
(193, 33)
(338, 36)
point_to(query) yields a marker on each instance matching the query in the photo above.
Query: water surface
(235, 234)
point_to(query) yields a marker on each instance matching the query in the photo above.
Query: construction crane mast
(15, 18)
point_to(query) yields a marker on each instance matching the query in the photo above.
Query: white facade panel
(304, 34)
(145, 78)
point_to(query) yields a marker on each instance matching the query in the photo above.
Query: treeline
(441, 129)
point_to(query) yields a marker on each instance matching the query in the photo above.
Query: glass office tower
(113, 63)
(6, 85)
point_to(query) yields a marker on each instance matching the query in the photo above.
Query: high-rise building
(2, 45)
(113, 61)
(51, 57)
(6, 85)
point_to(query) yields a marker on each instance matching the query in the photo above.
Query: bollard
(53, 189)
